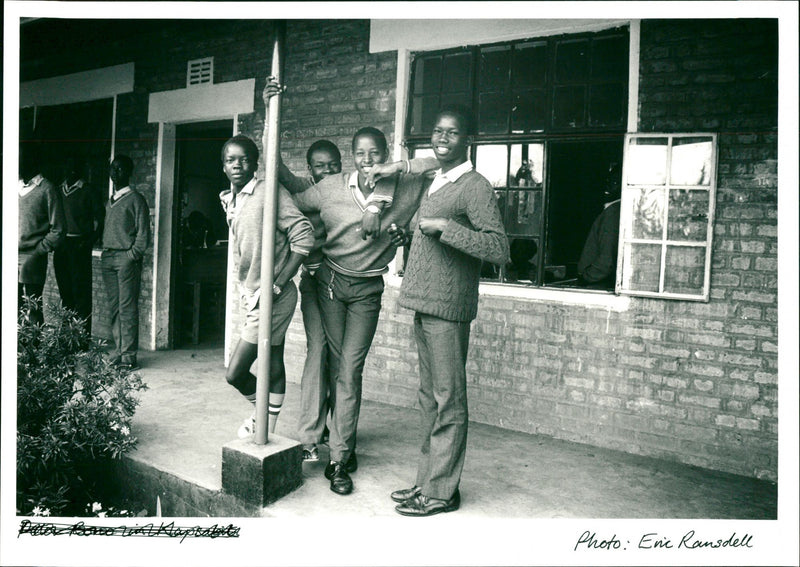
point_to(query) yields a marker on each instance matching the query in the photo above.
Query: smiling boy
(459, 227)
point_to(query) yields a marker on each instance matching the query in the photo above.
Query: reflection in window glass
(691, 162)
(688, 215)
(684, 269)
(648, 213)
(646, 163)
(645, 272)
(492, 163)
(531, 173)
(524, 214)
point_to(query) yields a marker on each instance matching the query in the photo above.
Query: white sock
(275, 405)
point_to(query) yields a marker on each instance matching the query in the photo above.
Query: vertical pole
(270, 145)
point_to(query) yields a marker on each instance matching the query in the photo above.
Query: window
(551, 116)
(667, 215)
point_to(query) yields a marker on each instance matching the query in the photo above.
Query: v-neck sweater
(341, 209)
(127, 225)
(442, 274)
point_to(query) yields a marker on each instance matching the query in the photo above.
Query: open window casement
(667, 215)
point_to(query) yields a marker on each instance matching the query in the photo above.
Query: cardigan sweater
(127, 225)
(442, 274)
(41, 217)
(341, 205)
(245, 214)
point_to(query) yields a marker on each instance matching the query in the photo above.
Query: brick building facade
(688, 381)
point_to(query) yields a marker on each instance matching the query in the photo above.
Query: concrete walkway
(189, 412)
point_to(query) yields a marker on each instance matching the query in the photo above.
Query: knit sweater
(82, 209)
(41, 217)
(245, 214)
(341, 206)
(127, 225)
(442, 274)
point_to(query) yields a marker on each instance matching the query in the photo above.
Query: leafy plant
(74, 411)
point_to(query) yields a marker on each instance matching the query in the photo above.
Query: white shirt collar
(250, 187)
(453, 175)
(25, 188)
(357, 194)
(121, 193)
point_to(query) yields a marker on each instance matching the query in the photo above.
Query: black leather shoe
(406, 493)
(350, 466)
(341, 483)
(420, 505)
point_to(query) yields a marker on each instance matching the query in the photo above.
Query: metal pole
(270, 145)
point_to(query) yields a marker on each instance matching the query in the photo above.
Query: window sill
(601, 299)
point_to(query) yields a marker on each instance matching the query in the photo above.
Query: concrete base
(260, 474)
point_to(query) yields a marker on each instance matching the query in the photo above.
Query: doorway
(200, 235)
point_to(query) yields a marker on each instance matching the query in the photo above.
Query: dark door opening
(200, 240)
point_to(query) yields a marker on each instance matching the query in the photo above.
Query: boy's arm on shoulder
(292, 182)
(487, 238)
(294, 224)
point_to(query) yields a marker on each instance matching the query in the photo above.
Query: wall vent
(200, 71)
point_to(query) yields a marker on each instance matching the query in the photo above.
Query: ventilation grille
(200, 72)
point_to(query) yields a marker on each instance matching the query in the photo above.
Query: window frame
(627, 218)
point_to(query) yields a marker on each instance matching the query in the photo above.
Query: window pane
(531, 174)
(568, 106)
(456, 76)
(524, 213)
(529, 66)
(684, 270)
(494, 67)
(423, 113)
(428, 75)
(691, 161)
(607, 104)
(644, 267)
(610, 58)
(688, 215)
(459, 99)
(572, 61)
(647, 213)
(493, 116)
(646, 162)
(529, 111)
(492, 163)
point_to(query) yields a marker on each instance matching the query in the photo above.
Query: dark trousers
(72, 263)
(31, 275)
(122, 277)
(442, 347)
(350, 317)
(316, 386)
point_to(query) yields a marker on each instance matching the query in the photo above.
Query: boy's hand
(433, 227)
(381, 170)
(272, 88)
(370, 225)
(400, 236)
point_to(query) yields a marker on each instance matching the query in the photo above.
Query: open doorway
(200, 239)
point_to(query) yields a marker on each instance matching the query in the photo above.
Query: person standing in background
(72, 261)
(41, 229)
(126, 235)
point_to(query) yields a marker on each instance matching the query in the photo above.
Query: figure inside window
(597, 267)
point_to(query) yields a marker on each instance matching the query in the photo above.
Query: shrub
(74, 411)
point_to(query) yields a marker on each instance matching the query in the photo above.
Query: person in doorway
(597, 266)
(126, 236)
(458, 227)
(41, 229)
(294, 238)
(72, 261)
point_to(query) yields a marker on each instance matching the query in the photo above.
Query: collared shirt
(442, 179)
(117, 195)
(25, 188)
(357, 194)
(233, 204)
